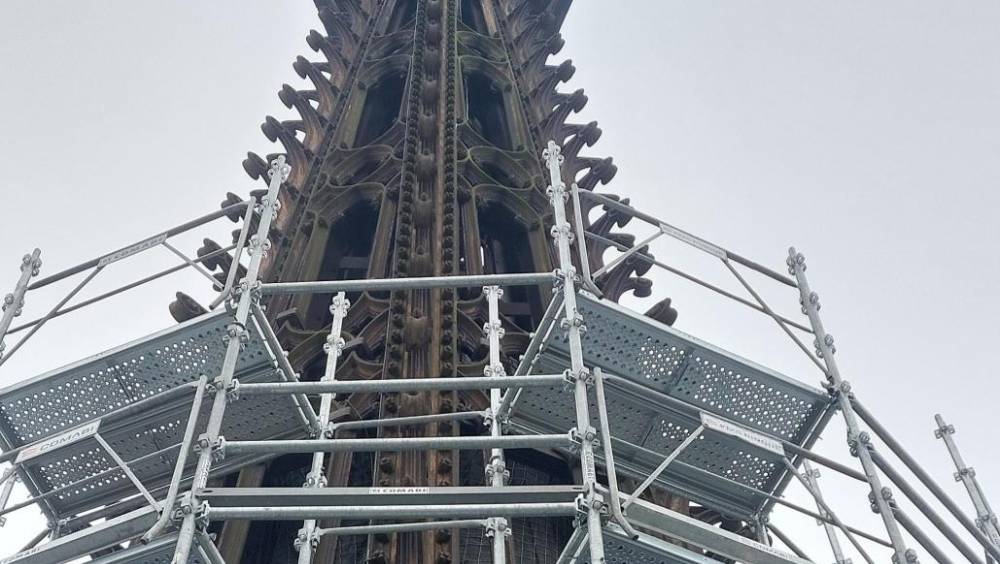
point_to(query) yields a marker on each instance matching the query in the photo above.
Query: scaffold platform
(107, 446)
(137, 397)
(659, 381)
(161, 551)
(113, 533)
(655, 524)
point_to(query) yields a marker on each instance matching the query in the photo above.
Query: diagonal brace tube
(663, 465)
(175, 480)
(826, 511)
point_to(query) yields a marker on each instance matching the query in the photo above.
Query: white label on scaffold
(399, 490)
(23, 555)
(741, 433)
(58, 441)
(132, 250)
(692, 240)
(762, 547)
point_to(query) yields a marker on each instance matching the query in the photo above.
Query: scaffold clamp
(583, 374)
(237, 330)
(217, 447)
(497, 467)
(494, 371)
(315, 480)
(495, 525)
(943, 430)
(305, 536)
(796, 261)
(334, 345)
(233, 390)
(576, 438)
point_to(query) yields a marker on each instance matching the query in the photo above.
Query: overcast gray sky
(865, 133)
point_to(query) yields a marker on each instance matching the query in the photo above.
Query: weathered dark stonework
(417, 153)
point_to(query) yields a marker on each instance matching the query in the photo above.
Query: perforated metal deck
(648, 364)
(160, 551)
(691, 539)
(111, 533)
(620, 549)
(95, 388)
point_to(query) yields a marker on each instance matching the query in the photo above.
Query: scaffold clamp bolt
(217, 448)
(495, 525)
(339, 305)
(492, 327)
(887, 494)
(315, 480)
(940, 432)
(963, 472)
(278, 166)
(582, 375)
(497, 466)
(334, 345)
(491, 290)
(796, 261)
(237, 330)
(233, 391)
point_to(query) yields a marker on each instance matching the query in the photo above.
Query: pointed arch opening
(505, 248)
(383, 102)
(474, 16)
(346, 254)
(487, 110)
(404, 12)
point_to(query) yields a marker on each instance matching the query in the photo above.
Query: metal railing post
(182, 454)
(234, 267)
(14, 301)
(573, 324)
(810, 476)
(498, 527)
(986, 520)
(209, 444)
(308, 539)
(858, 441)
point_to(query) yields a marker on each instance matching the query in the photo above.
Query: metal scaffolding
(104, 446)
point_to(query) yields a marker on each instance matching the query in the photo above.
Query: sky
(863, 133)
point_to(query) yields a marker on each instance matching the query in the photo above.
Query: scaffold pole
(858, 441)
(308, 539)
(14, 301)
(194, 515)
(573, 324)
(811, 475)
(496, 471)
(911, 464)
(986, 520)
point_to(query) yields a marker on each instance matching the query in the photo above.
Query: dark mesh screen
(538, 540)
(352, 549)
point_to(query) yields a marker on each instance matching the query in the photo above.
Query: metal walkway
(136, 399)
(117, 450)
(658, 383)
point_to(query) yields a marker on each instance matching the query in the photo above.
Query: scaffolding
(117, 450)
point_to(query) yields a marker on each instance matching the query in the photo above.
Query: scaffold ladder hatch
(618, 391)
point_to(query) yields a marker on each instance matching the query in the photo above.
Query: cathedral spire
(415, 152)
